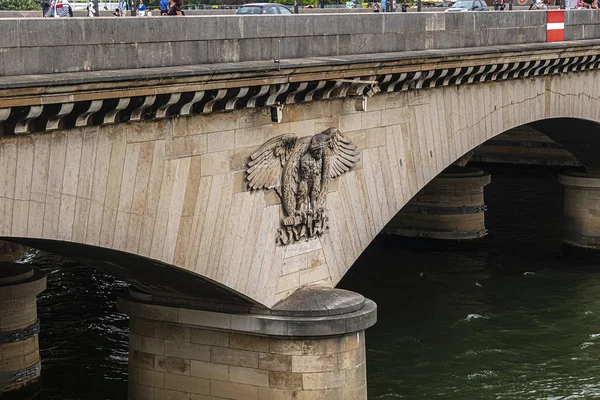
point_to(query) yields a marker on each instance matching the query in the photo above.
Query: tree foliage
(19, 5)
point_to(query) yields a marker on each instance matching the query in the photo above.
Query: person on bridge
(376, 6)
(164, 7)
(175, 7)
(590, 4)
(59, 8)
(46, 5)
(141, 8)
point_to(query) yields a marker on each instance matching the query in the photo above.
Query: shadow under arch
(579, 137)
(151, 276)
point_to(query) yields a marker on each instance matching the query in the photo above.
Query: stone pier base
(19, 327)
(11, 252)
(581, 212)
(294, 352)
(450, 207)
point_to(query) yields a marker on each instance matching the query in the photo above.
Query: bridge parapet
(80, 44)
(44, 46)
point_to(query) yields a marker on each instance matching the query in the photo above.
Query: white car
(468, 5)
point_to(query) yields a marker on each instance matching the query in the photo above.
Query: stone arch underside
(579, 137)
(173, 191)
(151, 276)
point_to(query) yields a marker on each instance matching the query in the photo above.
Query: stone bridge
(233, 169)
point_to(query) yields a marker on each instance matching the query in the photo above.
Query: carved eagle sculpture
(299, 169)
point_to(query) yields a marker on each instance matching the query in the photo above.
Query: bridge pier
(310, 346)
(581, 212)
(450, 207)
(11, 252)
(20, 364)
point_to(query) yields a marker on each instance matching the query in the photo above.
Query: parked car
(468, 5)
(263, 8)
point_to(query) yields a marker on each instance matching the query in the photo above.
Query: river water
(505, 317)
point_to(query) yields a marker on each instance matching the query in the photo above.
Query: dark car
(263, 8)
(468, 5)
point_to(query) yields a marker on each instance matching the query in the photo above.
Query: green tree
(19, 5)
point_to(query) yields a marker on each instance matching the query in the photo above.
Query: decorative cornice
(25, 119)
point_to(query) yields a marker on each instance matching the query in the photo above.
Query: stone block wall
(106, 43)
(18, 356)
(176, 362)
(15, 315)
(450, 207)
(19, 347)
(581, 207)
(581, 25)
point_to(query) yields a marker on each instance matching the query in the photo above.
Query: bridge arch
(174, 191)
(151, 276)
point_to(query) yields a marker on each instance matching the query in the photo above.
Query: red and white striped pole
(555, 30)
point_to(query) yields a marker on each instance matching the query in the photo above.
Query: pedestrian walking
(175, 8)
(141, 9)
(164, 7)
(59, 8)
(46, 4)
(376, 6)
(91, 10)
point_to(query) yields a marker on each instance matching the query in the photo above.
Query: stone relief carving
(299, 170)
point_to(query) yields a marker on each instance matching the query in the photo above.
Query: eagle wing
(266, 164)
(343, 155)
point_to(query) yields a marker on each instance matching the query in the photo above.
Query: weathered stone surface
(275, 362)
(450, 207)
(187, 350)
(248, 366)
(581, 228)
(285, 380)
(19, 359)
(216, 232)
(214, 39)
(234, 357)
(346, 312)
(172, 365)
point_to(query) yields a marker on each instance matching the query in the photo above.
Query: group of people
(62, 8)
(56, 8)
(569, 4)
(377, 6)
(166, 7)
(583, 4)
